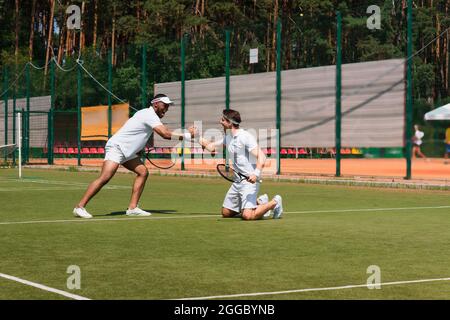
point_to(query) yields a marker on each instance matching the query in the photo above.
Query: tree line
(37, 31)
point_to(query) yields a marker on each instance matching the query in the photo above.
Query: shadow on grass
(122, 213)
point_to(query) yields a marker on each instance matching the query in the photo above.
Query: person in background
(417, 142)
(447, 145)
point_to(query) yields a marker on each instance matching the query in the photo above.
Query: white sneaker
(81, 213)
(263, 199)
(278, 210)
(138, 212)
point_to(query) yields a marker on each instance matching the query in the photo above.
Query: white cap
(164, 99)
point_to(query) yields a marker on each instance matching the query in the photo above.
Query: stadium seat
(346, 151)
(100, 150)
(356, 151)
(302, 151)
(284, 151)
(71, 150)
(93, 150)
(292, 152)
(85, 151)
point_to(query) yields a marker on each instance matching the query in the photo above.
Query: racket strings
(228, 173)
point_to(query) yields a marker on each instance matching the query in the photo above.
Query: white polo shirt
(134, 134)
(239, 147)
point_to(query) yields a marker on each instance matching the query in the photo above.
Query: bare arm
(209, 145)
(167, 134)
(260, 162)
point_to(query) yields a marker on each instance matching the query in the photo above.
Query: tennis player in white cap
(123, 148)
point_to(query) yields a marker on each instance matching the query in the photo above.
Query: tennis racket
(161, 158)
(232, 175)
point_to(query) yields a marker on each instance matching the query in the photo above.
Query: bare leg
(419, 152)
(227, 213)
(141, 171)
(109, 168)
(259, 211)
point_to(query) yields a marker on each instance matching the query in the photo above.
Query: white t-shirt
(134, 134)
(419, 135)
(239, 147)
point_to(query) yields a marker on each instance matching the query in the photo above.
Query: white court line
(311, 289)
(64, 183)
(370, 209)
(204, 215)
(108, 219)
(42, 287)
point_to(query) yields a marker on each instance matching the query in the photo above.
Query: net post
(338, 93)
(408, 132)
(278, 98)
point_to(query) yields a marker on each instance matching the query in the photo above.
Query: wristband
(257, 173)
(187, 136)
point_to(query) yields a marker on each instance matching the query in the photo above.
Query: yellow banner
(94, 121)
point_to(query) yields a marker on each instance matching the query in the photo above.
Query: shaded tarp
(441, 113)
(373, 104)
(38, 119)
(94, 121)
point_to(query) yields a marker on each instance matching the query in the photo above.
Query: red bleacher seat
(93, 150)
(302, 151)
(100, 150)
(292, 151)
(284, 151)
(85, 151)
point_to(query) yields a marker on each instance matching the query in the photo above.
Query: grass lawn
(185, 249)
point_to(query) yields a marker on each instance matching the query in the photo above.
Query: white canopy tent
(441, 113)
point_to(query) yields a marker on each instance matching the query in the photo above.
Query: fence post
(26, 117)
(79, 114)
(144, 76)
(338, 93)
(183, 98)
(408, 131)
(109, 94)
(279, 96)
(227, 85)
(14, 123)
(5, 97)
(50, 115)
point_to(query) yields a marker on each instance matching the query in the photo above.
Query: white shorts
(241, 196)
(113, 153)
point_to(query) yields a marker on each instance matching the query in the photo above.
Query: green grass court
(327, 238)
